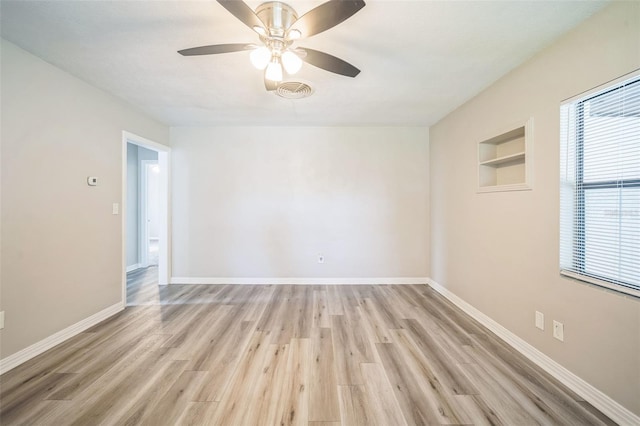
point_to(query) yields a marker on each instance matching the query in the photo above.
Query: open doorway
(148, 207)
(145, 219)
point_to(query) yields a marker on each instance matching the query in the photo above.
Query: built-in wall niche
(504, 160)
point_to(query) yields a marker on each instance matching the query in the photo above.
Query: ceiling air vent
(294, 90)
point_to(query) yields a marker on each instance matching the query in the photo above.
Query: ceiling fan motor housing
(277, 16)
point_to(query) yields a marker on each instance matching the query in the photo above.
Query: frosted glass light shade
(260, 57)
(291, 62)
(294, 34)
(259, 30)
(274, 71)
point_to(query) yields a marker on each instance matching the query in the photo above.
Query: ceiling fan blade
(326, 16)
(243, 12)
(270, 85)
(328, 62)
(216, 48)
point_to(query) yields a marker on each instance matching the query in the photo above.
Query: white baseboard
(134, 267)
(308, 281)
(591, 394)
(36, 349)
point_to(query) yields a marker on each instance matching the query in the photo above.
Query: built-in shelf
(504, 161)
(516, 158)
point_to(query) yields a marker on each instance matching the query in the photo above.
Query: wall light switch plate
(320, 258)
(540, 320)
(115, 208)
(1, 320)
(558, 330)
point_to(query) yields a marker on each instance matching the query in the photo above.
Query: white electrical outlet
(1, 320)
(320, 258)
(558, 330)
(540, 320)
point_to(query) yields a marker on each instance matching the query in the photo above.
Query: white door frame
(164, 252)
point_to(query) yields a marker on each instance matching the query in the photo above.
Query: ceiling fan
(279, 26)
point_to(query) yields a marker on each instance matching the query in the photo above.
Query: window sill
(601, 283)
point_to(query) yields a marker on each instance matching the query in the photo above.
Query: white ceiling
(419, 59)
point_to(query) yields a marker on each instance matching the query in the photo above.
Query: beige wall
(61, 246)
(265, 201)
(499, 251)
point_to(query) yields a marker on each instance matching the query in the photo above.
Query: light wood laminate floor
(279, 355)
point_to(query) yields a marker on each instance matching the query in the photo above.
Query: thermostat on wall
(92, 181)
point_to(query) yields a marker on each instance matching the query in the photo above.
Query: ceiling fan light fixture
(278, 26)
(260, 57)
(291, 62)
(261, 31)
(294, 34)
(274, 71)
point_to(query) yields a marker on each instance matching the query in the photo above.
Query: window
(600, 187)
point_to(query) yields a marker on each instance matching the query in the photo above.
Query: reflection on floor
(142, 287)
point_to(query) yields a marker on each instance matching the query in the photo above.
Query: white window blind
(600, 187)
